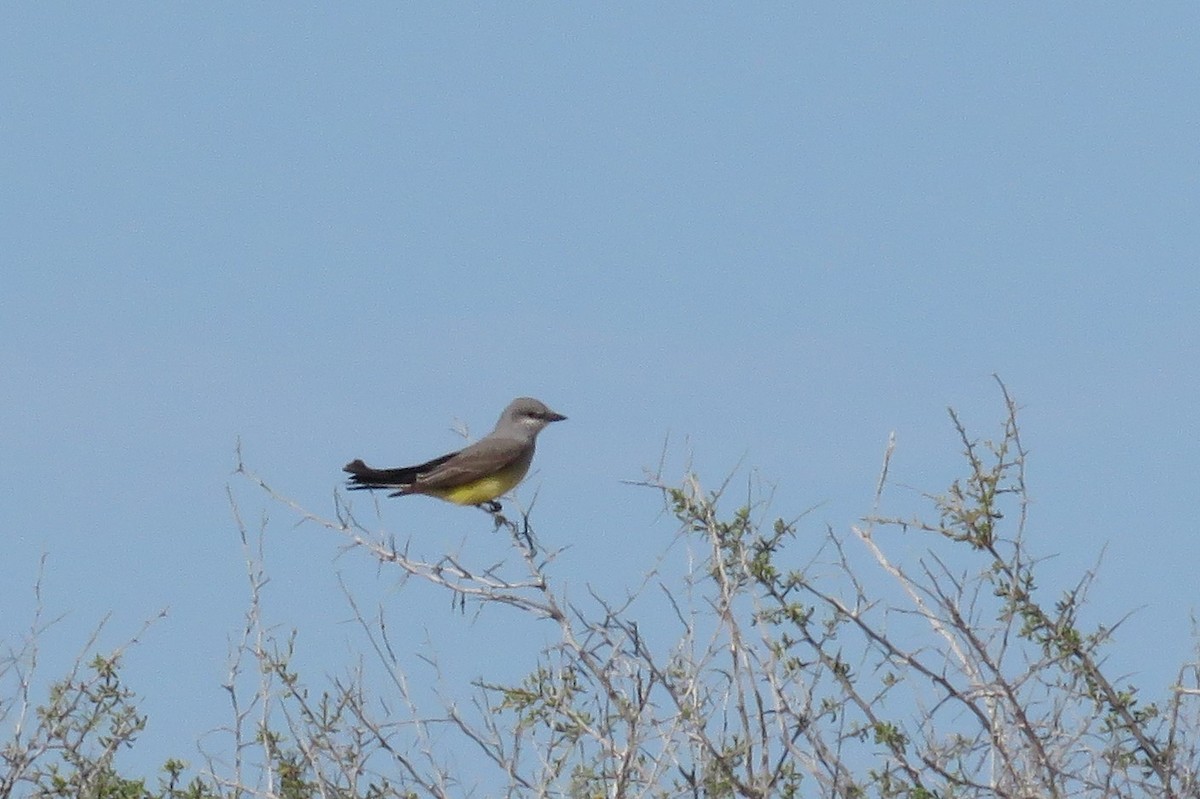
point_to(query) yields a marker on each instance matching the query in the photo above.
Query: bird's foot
(491, 506)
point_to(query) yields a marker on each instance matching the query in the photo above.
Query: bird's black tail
(363, 476)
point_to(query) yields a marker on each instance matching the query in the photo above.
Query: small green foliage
(545, 697)
(889, 735)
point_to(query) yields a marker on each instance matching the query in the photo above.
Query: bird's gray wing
(484, 457)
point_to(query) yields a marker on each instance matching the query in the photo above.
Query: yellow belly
(484, 489)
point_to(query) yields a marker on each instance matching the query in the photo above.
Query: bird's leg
(491, 506)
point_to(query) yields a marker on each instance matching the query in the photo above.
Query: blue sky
(767, 236)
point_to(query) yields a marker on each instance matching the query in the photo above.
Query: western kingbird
(474, 475)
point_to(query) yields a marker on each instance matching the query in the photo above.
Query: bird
(475, 475)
